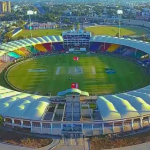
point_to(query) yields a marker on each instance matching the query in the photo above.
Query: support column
(31, 125)
(72, 127)
(4, 121)
(113, 126)
(61, 126)
(122, 125)
(103, 127)
(141, 122)
(12, 122)
(41, 125)
(132, 123)
(51, 128)
(21, 123)
(92, 129)
(149, 120)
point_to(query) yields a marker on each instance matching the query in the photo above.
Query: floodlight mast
(31, 12)
(119, 12)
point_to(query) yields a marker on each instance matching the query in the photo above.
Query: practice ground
(113, 30)
(97, 30)
(38, 33)
(88, 72)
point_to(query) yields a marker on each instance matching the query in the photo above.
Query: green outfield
(88, 72)
(113, 30)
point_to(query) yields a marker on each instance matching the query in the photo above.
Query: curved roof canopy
(13, 45)
(71, 91)
(140, 45)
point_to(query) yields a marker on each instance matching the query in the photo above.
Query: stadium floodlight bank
(67, 113)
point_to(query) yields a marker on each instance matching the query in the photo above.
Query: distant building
(37, 26)
(67, 13)
(5, 7)
(8, 6)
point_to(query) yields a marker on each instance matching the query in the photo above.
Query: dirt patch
(23, 140)
(75, 70)
(93, 70)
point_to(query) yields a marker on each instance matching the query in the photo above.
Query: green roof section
(73, 91)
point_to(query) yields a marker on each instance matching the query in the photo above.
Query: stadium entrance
(72, 135)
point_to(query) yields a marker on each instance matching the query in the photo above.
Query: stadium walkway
(144, 146)
(12, 147)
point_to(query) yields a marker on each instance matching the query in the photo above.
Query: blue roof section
(28, 41)
(34, 40)
(45, 38)
(68, 91)
(38, 38)
(16, 30)
(23, 42)
(17, 42)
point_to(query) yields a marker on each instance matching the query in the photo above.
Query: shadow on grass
(3, 82)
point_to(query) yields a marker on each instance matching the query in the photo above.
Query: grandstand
(65, 113)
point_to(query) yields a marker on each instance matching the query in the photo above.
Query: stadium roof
(140, 45)
(11, 46)
(22, 105)
(77, 91)
(2, 52)
(126, 105)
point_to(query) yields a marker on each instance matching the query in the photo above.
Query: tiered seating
(58, 46)
(13, 54)
(113, 47)
(95, 46)
(40, 48)
(32, 49)
(47, 46)
(23, 49)
(139, 54)
(20, 52)
(146, 61)
(105, 46)
(128, 52)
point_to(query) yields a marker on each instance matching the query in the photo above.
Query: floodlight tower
(31, 12)
(119, 12)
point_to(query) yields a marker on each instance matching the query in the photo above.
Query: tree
(20, 37)
(72, 27)
(22, 27)
(1, 120)
(78, 26)
(8, 36)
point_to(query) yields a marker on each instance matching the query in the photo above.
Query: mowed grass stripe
(127, 75)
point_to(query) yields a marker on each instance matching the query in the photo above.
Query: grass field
(37, 33)
(62, 67)
(113, 30)
(97, 30)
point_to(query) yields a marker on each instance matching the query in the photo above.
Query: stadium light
(119, 12)
(31, 12)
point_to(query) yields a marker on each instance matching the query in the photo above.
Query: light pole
(31, 12)
(119, 12)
